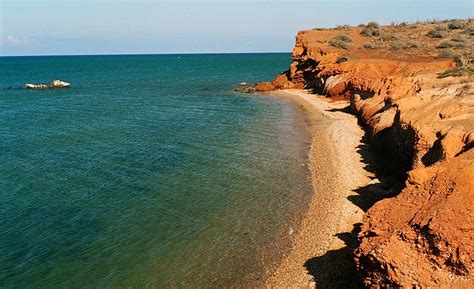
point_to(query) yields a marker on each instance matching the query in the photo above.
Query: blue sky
(44, 27)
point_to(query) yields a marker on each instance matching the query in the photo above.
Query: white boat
(36, 86)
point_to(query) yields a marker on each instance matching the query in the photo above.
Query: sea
(148, 172)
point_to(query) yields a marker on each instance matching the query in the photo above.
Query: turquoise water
(148, 171)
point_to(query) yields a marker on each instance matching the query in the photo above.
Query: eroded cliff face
(423, 126)
(423, 236)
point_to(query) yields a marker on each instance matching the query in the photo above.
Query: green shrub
(343, 37)
(343, 27)
(460, 61)
(373, 24)
(342, 58)
(367, 31)
(450, 44)
(413, 44)
(448, 53)
(451, 72)
(466, 87)
(390, 37)
(456, 72)
(371, 29)
(458, 38)
(455, 25)
(436, 33)
(341, 41)
(399, 45)
(369, 45)
(469, 30)
(462, 68)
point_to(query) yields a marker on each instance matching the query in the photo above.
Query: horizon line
(137, 54)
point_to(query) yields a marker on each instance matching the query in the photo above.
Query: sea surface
(148, 171)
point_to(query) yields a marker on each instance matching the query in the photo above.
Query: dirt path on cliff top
(321, 252)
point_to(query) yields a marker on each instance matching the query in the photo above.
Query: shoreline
(320, 253)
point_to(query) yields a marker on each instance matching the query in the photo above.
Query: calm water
(148, 171)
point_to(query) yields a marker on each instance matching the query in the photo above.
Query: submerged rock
(254, 87)
(245, 87)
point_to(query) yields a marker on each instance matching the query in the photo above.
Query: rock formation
(416, 101)
(246, 87)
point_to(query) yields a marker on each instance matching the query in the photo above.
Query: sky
(42, 27)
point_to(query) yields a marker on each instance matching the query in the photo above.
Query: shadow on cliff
(385, 183)
(387, 176)
(336, 268)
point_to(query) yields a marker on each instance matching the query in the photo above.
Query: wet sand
(321, 249)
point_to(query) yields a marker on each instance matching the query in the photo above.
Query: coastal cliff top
(423, 41)
(424, 69)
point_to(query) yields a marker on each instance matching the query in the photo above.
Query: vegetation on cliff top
(435, 39)
(341, 41)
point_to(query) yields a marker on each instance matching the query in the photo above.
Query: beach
(320, 253)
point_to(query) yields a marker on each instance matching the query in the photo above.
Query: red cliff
(412, 90)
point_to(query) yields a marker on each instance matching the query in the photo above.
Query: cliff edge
(411, 86)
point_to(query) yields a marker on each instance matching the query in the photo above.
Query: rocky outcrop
(423, 237)
(423, 126)
(245, 87)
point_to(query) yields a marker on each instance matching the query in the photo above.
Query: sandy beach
(320, 253)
